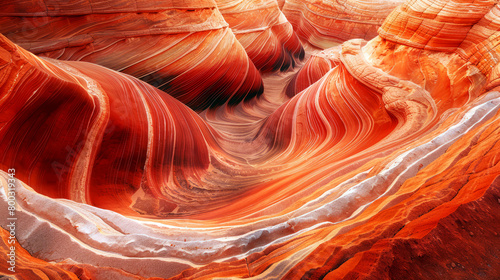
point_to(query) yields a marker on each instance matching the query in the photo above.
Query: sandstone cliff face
(376, 159)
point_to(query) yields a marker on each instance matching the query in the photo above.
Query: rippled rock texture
(372, 159)
(183, 47)
(269, 41)
(324, 24)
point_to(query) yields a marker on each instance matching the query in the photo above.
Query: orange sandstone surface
(269, 41)
(377, 158)
(184, 47)
(324, 24)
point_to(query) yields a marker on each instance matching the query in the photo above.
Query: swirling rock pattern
(441, 26)
(378, 160)
(270, 41)
(105, 113)
(172, 45)
(316, 67)
(324, 24)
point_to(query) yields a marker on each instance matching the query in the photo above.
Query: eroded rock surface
(376, 159)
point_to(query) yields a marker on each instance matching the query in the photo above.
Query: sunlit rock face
(183, 47)
(324, 24)
(375, 160)
(270, 41)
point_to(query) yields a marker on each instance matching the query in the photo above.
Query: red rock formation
(270, 42)
(440, 26)
(106, 136)
(432, 226)
(324, 24)
(383, 164)
(315, 67)
(413, 215)
(182, 47)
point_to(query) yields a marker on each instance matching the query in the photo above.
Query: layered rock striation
(182, 47)
(324, 24)
(380, 160)
(270, 41)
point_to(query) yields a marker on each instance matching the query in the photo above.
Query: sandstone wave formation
(270, 42)
(324, 24)
(183, 47)
(187, 139)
